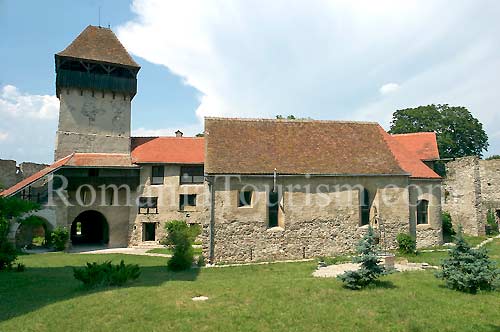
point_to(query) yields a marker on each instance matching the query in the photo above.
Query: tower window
(422, 212)
(157, 174)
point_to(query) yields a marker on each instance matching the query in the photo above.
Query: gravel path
(332, 271)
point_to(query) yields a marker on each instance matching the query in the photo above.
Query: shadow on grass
(24, 292)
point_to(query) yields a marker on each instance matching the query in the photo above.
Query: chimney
(179, 133)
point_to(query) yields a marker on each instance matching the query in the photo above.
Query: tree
(370, 269)
(181, 236)
(466, 269)
(458, 133)
(11, 208)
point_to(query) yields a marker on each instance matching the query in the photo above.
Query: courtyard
(273, 297)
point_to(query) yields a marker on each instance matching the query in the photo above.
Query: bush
(20, 267)
(370, 269)
(8, 254)
(106, 274)
(491, 223)
(466, 269)
(59, 237)
(181, 236)
(11, 208)
(448, 230)
(406, 244)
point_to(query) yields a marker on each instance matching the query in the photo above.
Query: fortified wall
(12, 173)
(472, 188)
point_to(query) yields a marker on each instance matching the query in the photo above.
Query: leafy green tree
(466, 269)
(11, 208)
(370, 268)
(181, 236)
(458, 133)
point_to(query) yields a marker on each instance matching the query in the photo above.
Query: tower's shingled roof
(99, 44)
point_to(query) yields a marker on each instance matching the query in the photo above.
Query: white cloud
(15, 104)
(27, 125)
(322, 59)
(388, 88)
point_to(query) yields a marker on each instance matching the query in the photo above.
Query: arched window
(422, 212)
(365, 207)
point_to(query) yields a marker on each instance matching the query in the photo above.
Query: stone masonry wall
(466, 193)
(11, 173)
(92, 121)
(321, 221)
(168, 204)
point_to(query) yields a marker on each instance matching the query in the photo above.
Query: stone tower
(96, 80)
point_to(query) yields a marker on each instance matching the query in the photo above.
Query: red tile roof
(409, 160)
(73, 160)
(173, 150)
(99, 44)
(424, 145)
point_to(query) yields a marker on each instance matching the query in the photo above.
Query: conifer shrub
(58, 238)
(468, 270)
(370, 269)
(406, 244)
(106, 274)
(181, 237)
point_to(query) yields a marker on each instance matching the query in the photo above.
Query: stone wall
(323, 220)
(168, 204)
(471, 188)
(92, 121)
(11, 173)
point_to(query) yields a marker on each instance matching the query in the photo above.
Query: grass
(275, 297)
(168, 251)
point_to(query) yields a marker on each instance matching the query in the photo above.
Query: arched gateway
(90, 227)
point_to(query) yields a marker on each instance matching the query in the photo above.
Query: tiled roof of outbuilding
(99, 44)
(258, 146)
(173, 150)
(424, 145)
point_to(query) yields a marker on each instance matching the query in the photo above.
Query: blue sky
(322, 59)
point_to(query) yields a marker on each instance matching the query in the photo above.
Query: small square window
(245, 198)
(157, 174)
(148, 205)
(187, 202)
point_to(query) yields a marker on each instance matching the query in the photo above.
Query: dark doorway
(149, 231)
(273, 208)
(90, 227)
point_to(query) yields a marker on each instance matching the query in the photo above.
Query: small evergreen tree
(370, 269)
(466, 269)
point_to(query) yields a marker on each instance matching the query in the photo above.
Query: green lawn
(168, 251)
(276, 297)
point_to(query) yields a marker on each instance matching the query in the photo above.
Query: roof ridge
(288, 120)
(417, 133)
(174, 137)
